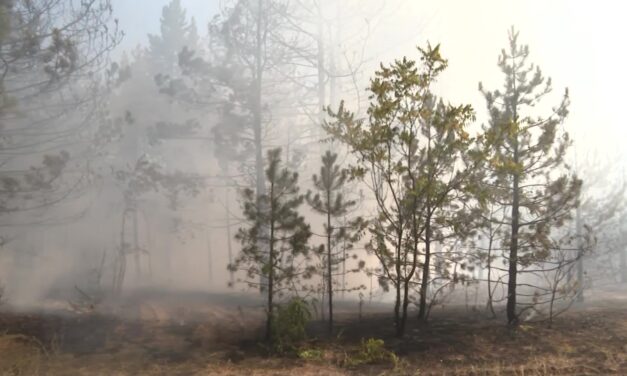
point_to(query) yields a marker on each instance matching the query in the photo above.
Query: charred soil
(210, 335)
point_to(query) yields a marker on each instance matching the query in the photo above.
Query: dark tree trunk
(397, 304)
(270, 318)
(229, 238)
(512, 317)
(329, 263)
(405, 305)
(424, 283)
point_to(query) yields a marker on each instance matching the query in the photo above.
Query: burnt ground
(200, 334)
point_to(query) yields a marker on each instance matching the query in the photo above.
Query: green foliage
(371, 351)
(275, 244)
(419, 160)
(526, 175)
(341, 232)
(274, 223)
(289, 326)
(311, 354)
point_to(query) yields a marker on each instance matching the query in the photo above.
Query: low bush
(289, 326)
(371, 351)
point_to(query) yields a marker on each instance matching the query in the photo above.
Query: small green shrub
(311, 354)
(371, 351)
(290, 321)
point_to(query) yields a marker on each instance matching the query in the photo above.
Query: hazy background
(579, 45)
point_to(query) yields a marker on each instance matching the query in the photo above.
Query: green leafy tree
(527, 172)
(330, 201)
(399, 146)
(447, 184)
(275, 245)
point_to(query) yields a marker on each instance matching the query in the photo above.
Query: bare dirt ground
(201, 334)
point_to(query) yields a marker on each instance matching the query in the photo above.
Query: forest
(313, 187)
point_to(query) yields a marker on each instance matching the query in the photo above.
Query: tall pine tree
(276, 241)
(528, 175)
(177, 33)
(330, 201)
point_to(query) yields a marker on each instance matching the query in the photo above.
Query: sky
(138, 18)
(578, 44)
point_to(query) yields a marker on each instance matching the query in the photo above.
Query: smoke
(153, 182)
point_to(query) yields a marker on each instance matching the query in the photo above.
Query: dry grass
(590, 341)
(20, 355)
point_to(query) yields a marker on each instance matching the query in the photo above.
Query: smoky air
(312, 187)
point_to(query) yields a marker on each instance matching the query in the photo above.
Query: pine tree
(331, 202)
(528, 175)
(177, 33)
(157, 127)
(52, 101)
(238, 80)
(275, 244)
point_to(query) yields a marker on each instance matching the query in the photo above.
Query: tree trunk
(405, 305)
(229, 238)
(270, 318)
(344, 272)
(397, 304)
(424, 283)
(329, 262)
(580, 279)
(321, 69)
(490, 297)
(209, 257)
(257, 115)
(512, 318)
(138, 269)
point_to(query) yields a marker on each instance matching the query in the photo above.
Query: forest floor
(199, 334)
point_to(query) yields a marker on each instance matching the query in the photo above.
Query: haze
(218, 184)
